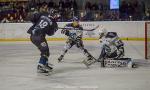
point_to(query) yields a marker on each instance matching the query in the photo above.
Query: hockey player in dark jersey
(74, 31)
(43, 24)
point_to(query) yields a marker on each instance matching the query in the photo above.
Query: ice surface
(18, 62)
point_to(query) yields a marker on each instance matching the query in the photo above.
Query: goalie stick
(78, 29)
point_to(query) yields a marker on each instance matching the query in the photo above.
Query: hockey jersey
(113, 44)
(74, 33)
(42, 24)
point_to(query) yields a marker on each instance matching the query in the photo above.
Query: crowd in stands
(13, 12)
(129, 10)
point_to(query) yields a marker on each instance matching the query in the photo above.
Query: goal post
(147, 40)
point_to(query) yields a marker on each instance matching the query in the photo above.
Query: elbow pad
(67, 33)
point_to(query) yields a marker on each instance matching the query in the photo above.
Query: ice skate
(46, 69)
(131, 64)
(60, 58)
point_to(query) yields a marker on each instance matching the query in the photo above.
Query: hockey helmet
(75, 21)
(54, 13)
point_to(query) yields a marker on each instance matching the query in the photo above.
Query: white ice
(18, 61)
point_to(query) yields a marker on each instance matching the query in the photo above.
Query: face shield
(75, 21)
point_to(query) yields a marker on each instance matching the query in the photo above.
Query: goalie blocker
(111, 63)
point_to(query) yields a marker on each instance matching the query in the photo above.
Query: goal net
(147, 40)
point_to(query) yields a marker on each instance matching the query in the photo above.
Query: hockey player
(74, 38)
(112, 52)
(43, 24)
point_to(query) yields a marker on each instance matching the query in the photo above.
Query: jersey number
(43, 24)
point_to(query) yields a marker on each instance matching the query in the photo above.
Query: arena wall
(127, 30)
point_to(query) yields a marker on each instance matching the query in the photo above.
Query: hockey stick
(78, 28)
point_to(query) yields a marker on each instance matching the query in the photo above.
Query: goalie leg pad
(89, 61)
(122, 62)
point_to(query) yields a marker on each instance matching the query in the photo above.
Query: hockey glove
(63, 31)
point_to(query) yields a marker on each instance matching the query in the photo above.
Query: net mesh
(147, 40)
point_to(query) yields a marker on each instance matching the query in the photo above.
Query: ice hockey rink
(18, 61)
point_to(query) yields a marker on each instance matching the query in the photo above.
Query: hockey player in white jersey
(74, 31)
(112, 51)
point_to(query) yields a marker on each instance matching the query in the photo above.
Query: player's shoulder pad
(34, 17)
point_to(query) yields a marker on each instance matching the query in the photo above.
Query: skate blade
(48, 73)
(60, 61)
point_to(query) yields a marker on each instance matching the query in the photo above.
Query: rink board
(127, 30)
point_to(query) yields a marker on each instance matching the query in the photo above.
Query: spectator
(130, 9)
(8, 19)
(20, 19)
(4, 20)
(89, 16)
(61, 4)
(8, 16)
(147, 14)
(88, 5)
(123, 10)
(51, 4)
(44, 7)
(100, 6)
(143, 7)
(67, 4)
(137, 10)
(12, 19)
(75, 8)
(95, 6)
